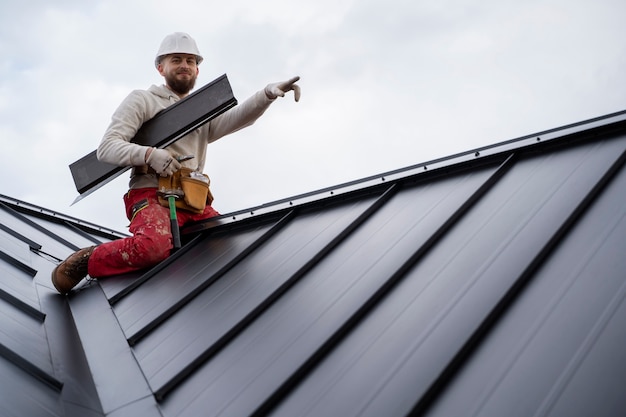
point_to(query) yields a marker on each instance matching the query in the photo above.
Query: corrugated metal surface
(41, 360)
(489, 283)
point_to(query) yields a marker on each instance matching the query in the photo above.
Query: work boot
(71, 271)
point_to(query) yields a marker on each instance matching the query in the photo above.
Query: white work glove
(279, 89)
(162, 162)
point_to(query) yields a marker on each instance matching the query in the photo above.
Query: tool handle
(175, 233)
(174, 222)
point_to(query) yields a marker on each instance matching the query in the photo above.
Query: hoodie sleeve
(240, 116)
(115, 147)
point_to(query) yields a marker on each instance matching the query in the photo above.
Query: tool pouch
(195, 187)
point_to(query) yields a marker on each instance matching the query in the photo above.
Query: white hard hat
(178, 43)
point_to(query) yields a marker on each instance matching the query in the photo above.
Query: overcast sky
(385, 84)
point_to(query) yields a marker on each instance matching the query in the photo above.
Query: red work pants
(152, 238)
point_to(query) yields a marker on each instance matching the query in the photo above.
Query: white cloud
(386, 84)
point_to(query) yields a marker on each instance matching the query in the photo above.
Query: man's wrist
(147, 156)
(269, 94)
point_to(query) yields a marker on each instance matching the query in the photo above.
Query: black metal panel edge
(170, 385)
(520, 283)
(52, 216)
(109, 359)
(18, 264)
(82, 232)
(299, 374)
(38, 227)
(28, 367)
(31, 244)
(151, 272)
(79, 396)
(17, 303)
(137, 336)
(162, 130)
(564, 135)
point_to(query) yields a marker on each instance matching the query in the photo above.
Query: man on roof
(177, 61)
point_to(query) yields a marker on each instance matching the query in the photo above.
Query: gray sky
(385, 84)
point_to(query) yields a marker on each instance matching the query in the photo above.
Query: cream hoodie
(142, 105)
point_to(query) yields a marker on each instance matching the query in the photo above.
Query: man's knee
(152, 248)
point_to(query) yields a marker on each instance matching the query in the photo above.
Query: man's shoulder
(144, 103)
(162, 92)
(158, 96)
(151, 92)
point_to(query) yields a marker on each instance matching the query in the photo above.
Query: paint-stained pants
(151, 241)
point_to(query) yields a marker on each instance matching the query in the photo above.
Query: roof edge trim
(477, 155)
(24, 207)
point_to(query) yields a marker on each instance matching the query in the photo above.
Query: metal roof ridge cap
(38, 210)
(111, 362)
(429, 166)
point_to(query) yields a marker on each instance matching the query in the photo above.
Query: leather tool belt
(195, 187)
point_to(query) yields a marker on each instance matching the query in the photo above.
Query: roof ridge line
(22, 206)
(469, 156)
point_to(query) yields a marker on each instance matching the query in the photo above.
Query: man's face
(180, 72)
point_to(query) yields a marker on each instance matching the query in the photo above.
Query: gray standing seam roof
(488, 283)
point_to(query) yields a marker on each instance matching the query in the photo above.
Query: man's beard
(180, 86)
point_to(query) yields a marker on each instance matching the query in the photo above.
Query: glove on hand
(162, 162)
(279, 89)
